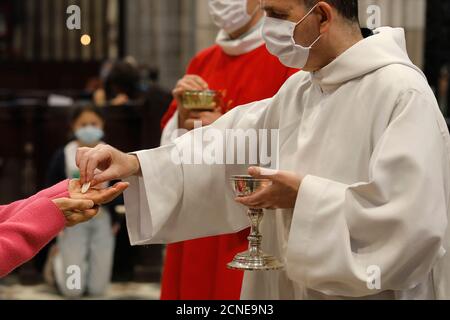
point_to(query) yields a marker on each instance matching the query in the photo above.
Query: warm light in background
(85, 40)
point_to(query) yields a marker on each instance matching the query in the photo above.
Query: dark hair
(347, 8)
(80, 110)
(123, 78)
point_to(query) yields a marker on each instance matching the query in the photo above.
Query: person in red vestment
(240, 66)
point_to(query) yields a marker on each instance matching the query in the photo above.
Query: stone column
(205, 29)
(141, 37)
(408, 14)
(188, 20)
(169, 42)
(167, 33)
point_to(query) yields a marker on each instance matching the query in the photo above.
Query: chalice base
(248, 262)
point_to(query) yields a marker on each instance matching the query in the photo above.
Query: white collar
(246, 43)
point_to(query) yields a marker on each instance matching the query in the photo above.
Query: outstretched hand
(97, 195)
(76, 210)
(81, 207)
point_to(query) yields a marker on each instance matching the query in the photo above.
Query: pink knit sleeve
(27, 231)
(61, 190)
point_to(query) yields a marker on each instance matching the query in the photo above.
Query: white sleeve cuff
(144, 222)
(301, 236)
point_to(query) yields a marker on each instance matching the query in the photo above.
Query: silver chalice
(254, 259)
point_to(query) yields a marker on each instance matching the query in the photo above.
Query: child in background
(91, 246)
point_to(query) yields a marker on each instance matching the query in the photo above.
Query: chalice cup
(254, 259)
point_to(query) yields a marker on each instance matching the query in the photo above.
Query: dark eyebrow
(271, 8)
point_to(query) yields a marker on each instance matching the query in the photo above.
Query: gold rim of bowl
(203, 92)
(247, 178)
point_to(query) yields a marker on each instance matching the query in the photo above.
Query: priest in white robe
(364, 163)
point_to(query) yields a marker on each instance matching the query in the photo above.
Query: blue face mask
(89, 135)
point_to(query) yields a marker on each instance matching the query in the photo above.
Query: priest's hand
(76, 211)
(105, 163)
(204, 117)
(188, 82)
(281, 194)
(98, 195)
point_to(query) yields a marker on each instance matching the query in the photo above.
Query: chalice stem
(255, 238)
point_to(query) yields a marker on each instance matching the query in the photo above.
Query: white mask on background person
(230, 15)
(279, 37)
(89, 135)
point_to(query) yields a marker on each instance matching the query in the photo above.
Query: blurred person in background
(241, 67)
(89, 246)
(155, 95)
(121, 84)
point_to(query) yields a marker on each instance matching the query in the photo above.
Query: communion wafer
(85, 187)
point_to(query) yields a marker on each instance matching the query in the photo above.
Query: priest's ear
(326, 15)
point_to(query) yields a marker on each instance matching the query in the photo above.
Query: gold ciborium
(206, 100)
(254, 259)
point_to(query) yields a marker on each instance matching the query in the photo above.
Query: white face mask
(230, 15)
(279, 37)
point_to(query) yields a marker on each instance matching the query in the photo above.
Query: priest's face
(314, 24)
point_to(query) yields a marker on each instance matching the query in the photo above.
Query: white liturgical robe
(368, 137)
